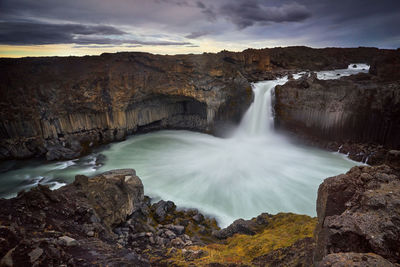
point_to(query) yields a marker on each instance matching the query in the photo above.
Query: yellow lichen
(283, 230)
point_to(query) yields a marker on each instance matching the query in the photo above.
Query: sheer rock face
(359, 212)
(60, 107)
(358, 109)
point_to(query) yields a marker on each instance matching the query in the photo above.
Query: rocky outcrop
(346, 113)
(60, 107)
(358, 217)
(70, 226)
(114, 195)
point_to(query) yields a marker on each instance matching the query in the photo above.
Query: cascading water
(258, 119)
(255, 170)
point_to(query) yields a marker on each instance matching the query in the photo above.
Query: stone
(35, 254)
(169, 234)
(68, 241)
(177, 242)
(198, 218)
(113, 194)
(177, 229)
(162, 208)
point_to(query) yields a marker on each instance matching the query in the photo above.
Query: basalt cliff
(61, 107)
(358, 115)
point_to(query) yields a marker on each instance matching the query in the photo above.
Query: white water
(255, 170)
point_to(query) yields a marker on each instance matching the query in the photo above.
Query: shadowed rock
(360, 212)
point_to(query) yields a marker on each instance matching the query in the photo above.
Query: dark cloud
(34, 33)
(245, 13)
(207, 11)
(168, 22)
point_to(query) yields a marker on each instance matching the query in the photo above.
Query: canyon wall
(363, 108)
(62, 106)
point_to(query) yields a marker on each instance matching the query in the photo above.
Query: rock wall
(364, 108)
(62, 106)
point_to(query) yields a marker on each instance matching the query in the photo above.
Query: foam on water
(337, 74)
(254, 170)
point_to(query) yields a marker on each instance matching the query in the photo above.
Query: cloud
(35, 33)
(196, 34)
(230, 24)
(246, 13)
(105, 46)
(207, 11)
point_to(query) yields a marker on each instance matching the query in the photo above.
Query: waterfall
(258, 120)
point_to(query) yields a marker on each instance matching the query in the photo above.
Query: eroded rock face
(357, 115)
(359, 212)
(341, 110)
(49, 105)
(61, 107)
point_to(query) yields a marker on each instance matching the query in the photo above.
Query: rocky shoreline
(107, 221)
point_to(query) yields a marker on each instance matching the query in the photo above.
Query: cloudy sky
(81, 27)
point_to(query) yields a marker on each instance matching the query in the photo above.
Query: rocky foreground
(107, 221)
(61, 107)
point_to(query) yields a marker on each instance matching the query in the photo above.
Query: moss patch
(283, 230)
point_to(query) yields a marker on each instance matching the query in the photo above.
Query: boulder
(114, 195)
(360, 212)
(162, 208)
